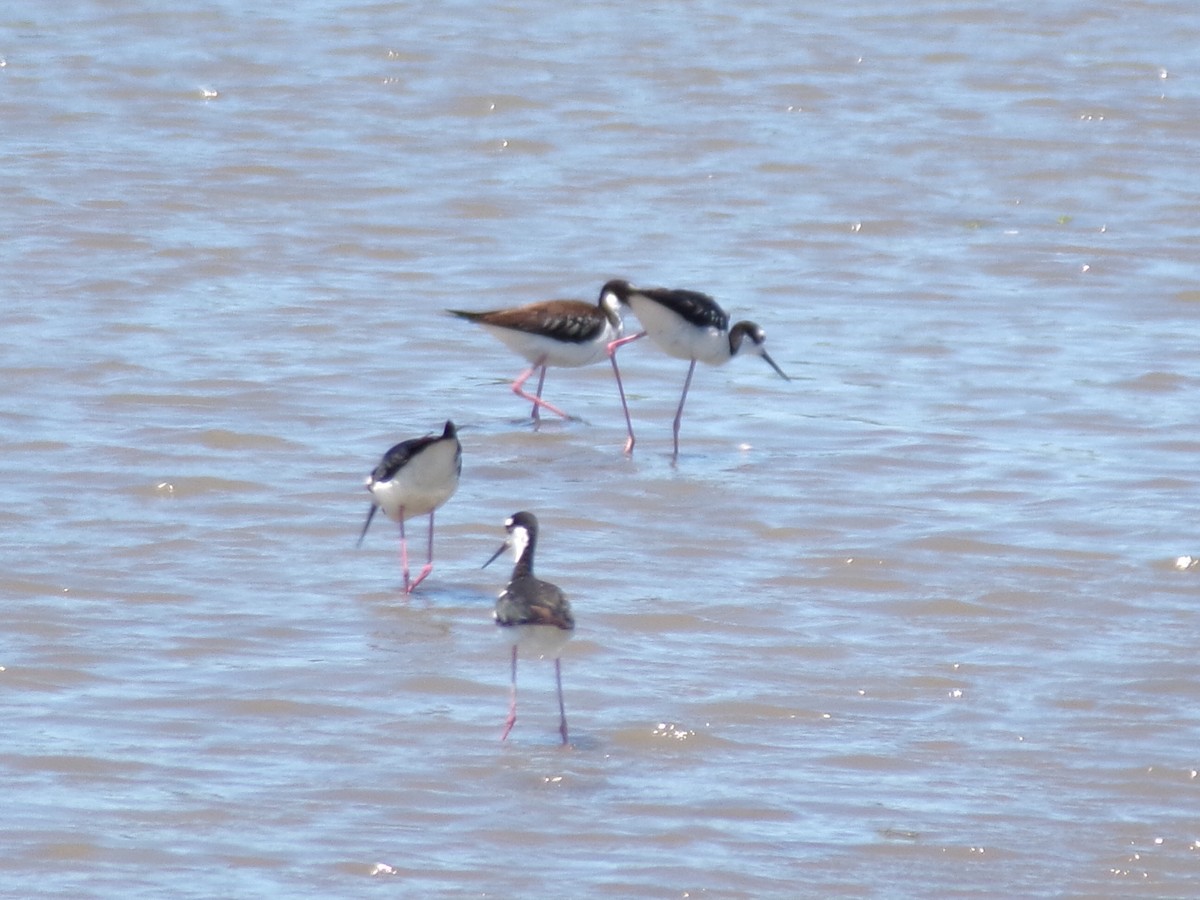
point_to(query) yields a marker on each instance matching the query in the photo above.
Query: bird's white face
(748, 338)
(518, 540)
(610, 302)
(612, 309)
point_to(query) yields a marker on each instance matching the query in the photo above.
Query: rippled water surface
(920, 622)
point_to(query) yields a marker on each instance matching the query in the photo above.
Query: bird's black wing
(397, 458)
(569, 321)
(531, 601)
(699, 309)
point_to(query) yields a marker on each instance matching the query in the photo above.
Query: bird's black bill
(366, 524)
(492, 558)
(771, 363)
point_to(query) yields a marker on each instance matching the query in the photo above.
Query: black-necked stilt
(564, 333)
(532, 613)
(415, 478)
(687, 325)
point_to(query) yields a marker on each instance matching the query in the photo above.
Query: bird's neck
(524, 564)
(736, 336)
(521, 541)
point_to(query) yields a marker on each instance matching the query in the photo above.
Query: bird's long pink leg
(404, 553)
(562, 710)
(537, 401)
(428, 567)
(613, 347)
(679, 413)
(541, 383)
(512, 702)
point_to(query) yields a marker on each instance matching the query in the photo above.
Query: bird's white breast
(426, 482)
(676, 336)
(564, 354)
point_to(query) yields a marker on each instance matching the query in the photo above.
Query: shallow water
(913, 624)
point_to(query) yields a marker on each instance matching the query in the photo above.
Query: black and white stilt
(415, 478)
(531, 613)
(561, 333)
(687, 325)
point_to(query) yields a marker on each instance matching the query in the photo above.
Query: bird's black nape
(744, 331)
(618, 287)
(526, 520)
